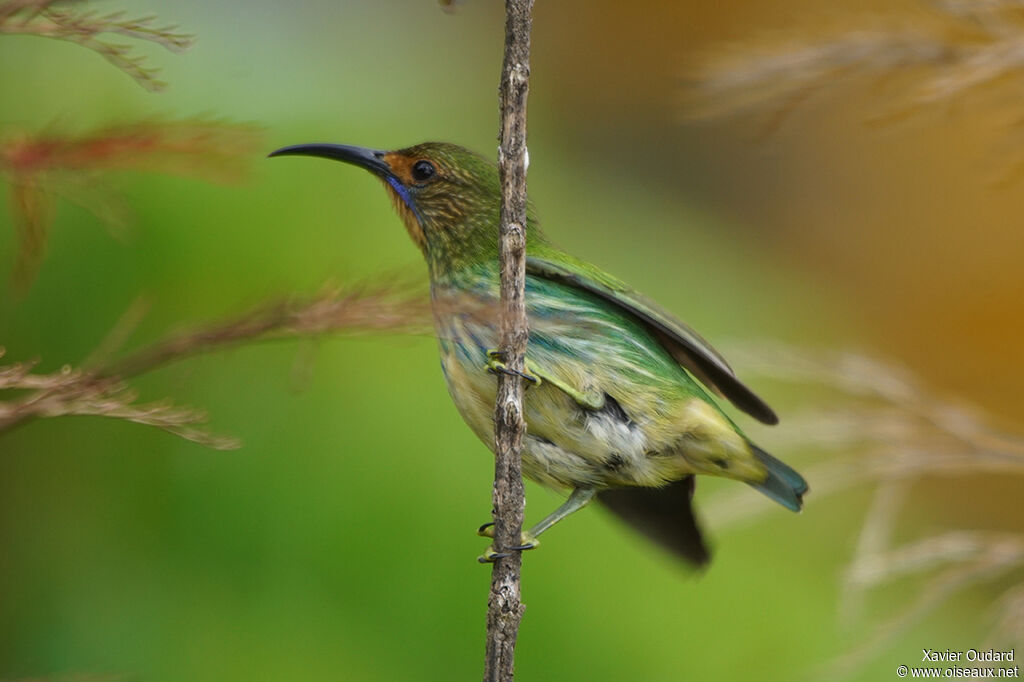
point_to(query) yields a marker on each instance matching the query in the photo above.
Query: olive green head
(448, 197)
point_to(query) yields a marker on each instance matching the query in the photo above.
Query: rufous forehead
(401, 165)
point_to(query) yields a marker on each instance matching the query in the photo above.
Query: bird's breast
(566, 444)
(464, 337)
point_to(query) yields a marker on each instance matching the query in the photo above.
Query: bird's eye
(423, 171)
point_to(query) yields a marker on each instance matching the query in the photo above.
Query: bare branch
(504, 605)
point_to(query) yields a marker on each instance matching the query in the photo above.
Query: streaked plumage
(621, 406)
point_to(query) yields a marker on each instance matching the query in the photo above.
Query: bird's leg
(579, 499)
(496, 365)
(528, 540)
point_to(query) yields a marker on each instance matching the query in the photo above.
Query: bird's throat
(403, 206)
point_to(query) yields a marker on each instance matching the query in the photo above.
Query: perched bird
(617, 406)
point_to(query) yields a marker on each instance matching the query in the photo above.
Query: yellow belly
(565, 446)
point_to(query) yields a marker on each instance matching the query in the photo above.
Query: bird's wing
(684, 344)
(664, 514)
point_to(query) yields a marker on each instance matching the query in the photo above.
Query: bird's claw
(490, 555)
(496, 365)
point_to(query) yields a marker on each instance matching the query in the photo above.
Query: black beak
(370, 159)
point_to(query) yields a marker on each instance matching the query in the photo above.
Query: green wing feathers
(683, 343)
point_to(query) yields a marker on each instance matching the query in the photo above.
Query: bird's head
(448, 197)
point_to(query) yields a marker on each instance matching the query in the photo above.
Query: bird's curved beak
(370, 159)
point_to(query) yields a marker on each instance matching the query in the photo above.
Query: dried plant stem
(387, 307)
(99, 390)
(881, 427)
(974, 556)
(78, 392)
(953, 52)
(504, 605)
(83, 27)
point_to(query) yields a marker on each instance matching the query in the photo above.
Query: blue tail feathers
(784, 484)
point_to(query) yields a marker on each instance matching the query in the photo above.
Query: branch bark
(504, 605)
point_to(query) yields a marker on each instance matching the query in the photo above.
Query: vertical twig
(504, 608)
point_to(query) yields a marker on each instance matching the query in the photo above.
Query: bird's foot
(490, 555)
(496, 365)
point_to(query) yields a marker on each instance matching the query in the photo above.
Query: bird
(618, 401)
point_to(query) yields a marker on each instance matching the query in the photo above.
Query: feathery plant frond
(388, 305)
(205, 148)
(953, 48)
(71, 391)
(41, 167)
(53, 19)
(878, 426)
(98, 387)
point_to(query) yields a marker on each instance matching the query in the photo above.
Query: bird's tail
(665, 515)
(784, 484)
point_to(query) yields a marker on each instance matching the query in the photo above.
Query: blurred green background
(339, 542)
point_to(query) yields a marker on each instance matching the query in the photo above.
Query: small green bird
(618, 405)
